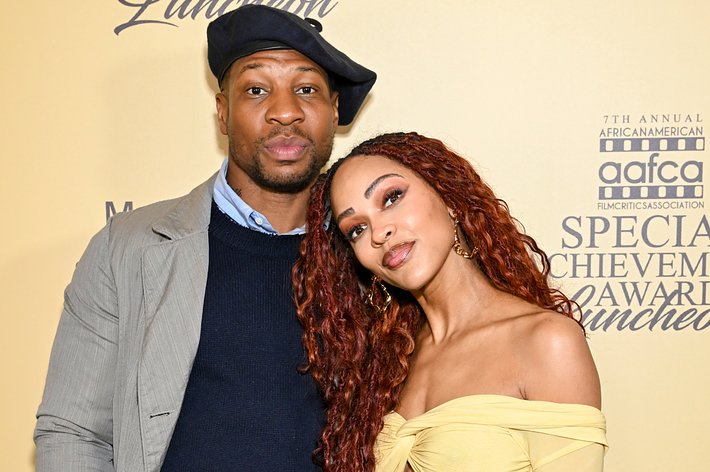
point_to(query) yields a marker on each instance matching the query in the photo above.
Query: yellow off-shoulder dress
(494, 433)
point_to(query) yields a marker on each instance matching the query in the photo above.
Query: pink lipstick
(397, 254)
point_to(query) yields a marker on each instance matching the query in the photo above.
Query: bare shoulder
(557, 363)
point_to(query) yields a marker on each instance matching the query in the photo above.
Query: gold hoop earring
(457, 244)
(385, 294)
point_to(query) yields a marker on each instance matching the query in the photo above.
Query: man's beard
(292, 183)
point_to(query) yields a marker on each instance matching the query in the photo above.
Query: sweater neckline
(229, 232)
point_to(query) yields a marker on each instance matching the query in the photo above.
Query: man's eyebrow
(257, 65)
(371, 188)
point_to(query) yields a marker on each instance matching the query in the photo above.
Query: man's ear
(222, 103)
(334, 100)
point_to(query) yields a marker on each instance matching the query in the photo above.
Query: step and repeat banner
(589, 118)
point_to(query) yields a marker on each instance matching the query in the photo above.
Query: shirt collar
(233, 206)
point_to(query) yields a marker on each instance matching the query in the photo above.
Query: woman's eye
(354, 232)
(391, 197)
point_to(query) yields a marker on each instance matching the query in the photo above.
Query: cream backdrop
(525, 89)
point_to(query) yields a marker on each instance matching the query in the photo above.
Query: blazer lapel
(174, 279)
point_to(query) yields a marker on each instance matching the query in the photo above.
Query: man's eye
(306, 90)
(391, 197)
(255, 90)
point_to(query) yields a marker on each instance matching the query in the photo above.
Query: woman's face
(398, 226)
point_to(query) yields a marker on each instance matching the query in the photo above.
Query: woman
(430, 325)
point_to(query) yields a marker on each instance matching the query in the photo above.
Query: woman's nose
(382, 233)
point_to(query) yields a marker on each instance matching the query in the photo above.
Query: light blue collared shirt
(233, 206)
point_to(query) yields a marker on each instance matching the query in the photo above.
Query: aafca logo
(657, 177)
(665, 171)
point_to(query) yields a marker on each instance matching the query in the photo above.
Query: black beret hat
(253, 28)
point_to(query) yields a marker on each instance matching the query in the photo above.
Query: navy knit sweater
(246, 407)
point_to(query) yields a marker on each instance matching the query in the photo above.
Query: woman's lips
(397, 254)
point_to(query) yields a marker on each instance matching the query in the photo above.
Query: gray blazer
(126, 340)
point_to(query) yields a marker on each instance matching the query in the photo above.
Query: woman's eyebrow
(371, 188)
(347, 212)
(368, 194)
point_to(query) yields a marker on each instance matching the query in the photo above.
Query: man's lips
(397, 254)
(286, 148)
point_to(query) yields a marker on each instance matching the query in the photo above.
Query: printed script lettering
(169, 12)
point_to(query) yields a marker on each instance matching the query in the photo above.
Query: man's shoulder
(119, 247)
(146, 215)
(168, 218)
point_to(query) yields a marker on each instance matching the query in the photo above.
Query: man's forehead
(280, 58)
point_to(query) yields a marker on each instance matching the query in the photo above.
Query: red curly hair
(359, 356)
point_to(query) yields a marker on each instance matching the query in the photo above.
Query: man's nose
(284, 108)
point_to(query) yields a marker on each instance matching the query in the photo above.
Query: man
(178, 346)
